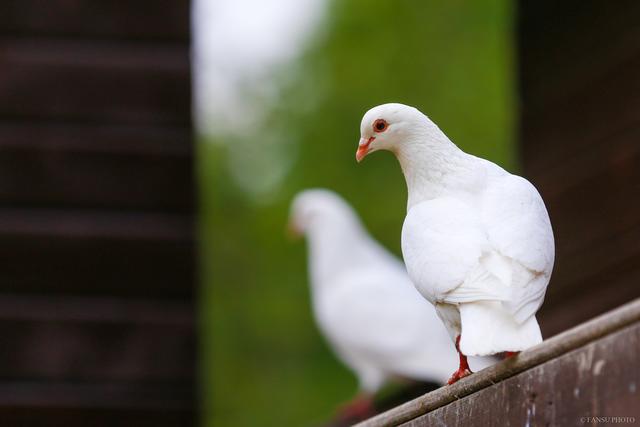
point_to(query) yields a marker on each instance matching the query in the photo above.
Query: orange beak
(363, 148)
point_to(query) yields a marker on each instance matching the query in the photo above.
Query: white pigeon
(477, 240)
(363, 301)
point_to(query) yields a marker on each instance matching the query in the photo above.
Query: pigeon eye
(380, 125)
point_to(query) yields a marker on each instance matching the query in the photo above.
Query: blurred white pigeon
(364, 303)
(477, 241)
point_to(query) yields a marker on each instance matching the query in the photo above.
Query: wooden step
(589, 370)
(97, 252)
(158, 20)
(45, 164)
(95, 82)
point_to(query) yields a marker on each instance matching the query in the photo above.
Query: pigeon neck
(335, 249)
(433, 165)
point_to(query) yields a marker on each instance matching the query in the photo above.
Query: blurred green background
(263, 360)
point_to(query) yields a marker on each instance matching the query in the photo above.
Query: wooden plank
(594, 204)
(97, 339)
(554, 135)
(552, 348)
(97, 267)
(43, 416)
(565, 46)
(579, 62)
(588, 201)
(597, 380)
(106, 253)
(596, 261)
(95, 82)
(95, 138)
(611, 159)
(140, 19)
(94, 395)
(126, 167)
(593, 280)
(87, 225)
(96, 199)
(606, 292)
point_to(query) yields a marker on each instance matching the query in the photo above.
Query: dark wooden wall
(96, 214)
(580, 129)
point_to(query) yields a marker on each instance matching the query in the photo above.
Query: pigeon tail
(489, 328)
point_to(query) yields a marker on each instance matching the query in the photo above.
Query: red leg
(360, 408)
(510, 354)
(464, 369)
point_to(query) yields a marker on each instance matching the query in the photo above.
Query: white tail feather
(489, 328)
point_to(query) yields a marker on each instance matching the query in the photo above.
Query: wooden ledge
(556, 346)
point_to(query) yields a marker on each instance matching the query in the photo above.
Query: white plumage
(363, 300)
(477, 240)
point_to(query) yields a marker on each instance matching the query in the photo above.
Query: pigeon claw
(460, 373)
(464, 369)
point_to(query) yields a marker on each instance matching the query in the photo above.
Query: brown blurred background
(96, 214)
(579, 78)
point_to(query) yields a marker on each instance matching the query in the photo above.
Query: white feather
(364, 302)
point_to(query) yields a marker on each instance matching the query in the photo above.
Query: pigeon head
(316, 210)
(394, 127)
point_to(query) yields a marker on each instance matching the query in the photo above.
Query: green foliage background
(263, 360)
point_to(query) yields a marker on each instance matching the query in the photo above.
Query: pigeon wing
(443, 242)
(518, 228)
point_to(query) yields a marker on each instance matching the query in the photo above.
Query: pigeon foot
(464, 369)
(460, 373)
(360, 408)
